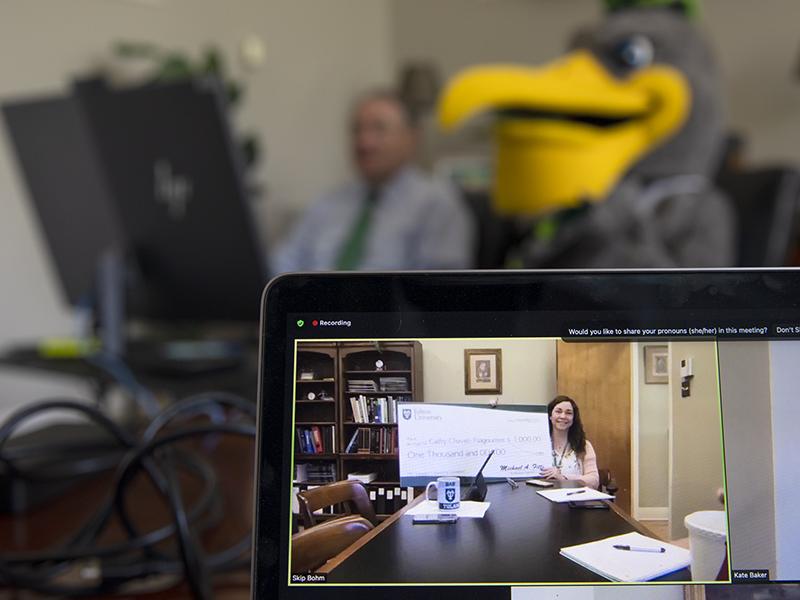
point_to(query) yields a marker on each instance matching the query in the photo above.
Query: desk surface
(517, 541)
(241, 378)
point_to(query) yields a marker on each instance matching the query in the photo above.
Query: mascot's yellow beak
(568, 131)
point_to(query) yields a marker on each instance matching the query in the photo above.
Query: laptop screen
(633, 433)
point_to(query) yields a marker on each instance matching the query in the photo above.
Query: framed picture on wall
(656, 364)
(483, 371)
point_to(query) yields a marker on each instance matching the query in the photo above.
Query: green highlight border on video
(508, 584)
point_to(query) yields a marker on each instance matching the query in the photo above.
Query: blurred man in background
(393, 216)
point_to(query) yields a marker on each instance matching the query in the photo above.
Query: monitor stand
(111, 301)
(178, 357)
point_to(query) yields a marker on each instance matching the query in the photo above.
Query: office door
(598, 378)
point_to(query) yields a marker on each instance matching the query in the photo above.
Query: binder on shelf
(381, 508)
(390, 508)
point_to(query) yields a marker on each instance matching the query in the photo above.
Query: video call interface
(607, 455)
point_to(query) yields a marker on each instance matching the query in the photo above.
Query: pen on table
(512, 483)
(658, 550)
(578, 492)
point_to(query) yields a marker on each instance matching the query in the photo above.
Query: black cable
(195, 514)
(190, 549)
(195, 404)
(94, 414)
(160, 463)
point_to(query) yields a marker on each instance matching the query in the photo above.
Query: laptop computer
(657, 381)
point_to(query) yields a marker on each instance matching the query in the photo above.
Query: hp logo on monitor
(171, 189)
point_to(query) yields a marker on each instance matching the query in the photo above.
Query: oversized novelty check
(443, 439)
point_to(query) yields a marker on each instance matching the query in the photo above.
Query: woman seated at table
(573, 455)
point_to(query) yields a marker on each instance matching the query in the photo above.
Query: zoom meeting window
(523, 461)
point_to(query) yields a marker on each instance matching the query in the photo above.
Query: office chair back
(315, 546)
(766, 203)
(352, 495)
(495, 235)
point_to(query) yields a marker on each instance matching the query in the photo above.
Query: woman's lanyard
(557, 464)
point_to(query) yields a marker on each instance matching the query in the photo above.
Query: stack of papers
(628, 565)
(468, 509)
(362, 477)
(574, 495)
(393, 384)
(362, 385)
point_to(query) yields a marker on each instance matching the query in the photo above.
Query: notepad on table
(625, 565)
(573, 494)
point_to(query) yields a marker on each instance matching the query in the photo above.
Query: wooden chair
(607, 482)
(605, 477)
(315, 546)
(351, 494)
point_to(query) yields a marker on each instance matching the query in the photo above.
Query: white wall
(784, 358)
(529, 371)
(759, 53)
(756, 45)
(696, 429)
(319, 55)
(653, 440)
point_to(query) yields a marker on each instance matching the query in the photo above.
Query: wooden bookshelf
(330, 369)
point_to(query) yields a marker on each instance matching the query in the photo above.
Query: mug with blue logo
(448, 493)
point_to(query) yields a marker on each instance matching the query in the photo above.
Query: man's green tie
(352, 251)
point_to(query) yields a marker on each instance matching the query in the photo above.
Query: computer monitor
(177, 181)
(68, 187)
(154, 173)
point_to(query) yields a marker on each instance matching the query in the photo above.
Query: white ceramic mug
(448, 493)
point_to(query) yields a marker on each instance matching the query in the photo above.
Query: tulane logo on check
(407, 413)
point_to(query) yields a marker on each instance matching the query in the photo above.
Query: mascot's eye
(635, 52)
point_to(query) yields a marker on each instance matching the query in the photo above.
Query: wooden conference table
(517, 541)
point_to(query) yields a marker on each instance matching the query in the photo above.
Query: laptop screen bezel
(767, 294)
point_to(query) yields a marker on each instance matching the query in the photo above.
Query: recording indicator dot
(315, 322)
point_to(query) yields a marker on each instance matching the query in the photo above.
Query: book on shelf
(382, 410)
(363, 477)
(353, 443)
(317, 435)
(373, 441)
(316, 439)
